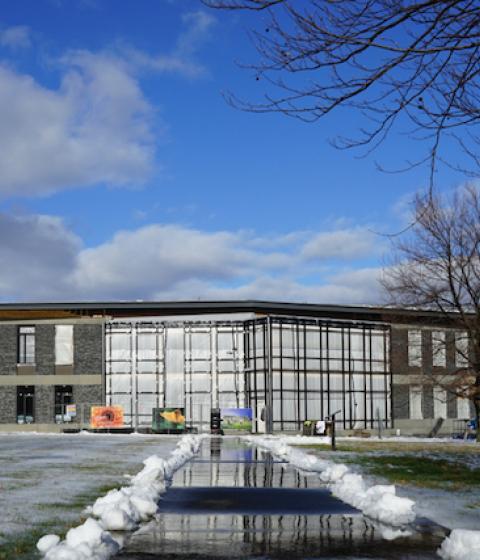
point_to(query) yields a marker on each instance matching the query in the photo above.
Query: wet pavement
(234, 501)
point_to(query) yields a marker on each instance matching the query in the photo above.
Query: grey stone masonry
(8, 349)
(45, 349)
(401, 401)
(44, 404)
(427, 402)
(399, 350)
(88, 349)
(8, 404)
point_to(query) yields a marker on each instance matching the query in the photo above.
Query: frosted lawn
(46, 477)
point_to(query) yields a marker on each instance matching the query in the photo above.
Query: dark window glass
(63, 397)
(26, 345)
(25, 404)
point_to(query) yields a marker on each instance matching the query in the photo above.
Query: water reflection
(207, 514)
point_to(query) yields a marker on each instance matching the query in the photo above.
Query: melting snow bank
(120, 510)
(377, 502)
(461, 544)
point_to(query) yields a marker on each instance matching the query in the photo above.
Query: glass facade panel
(299, 369)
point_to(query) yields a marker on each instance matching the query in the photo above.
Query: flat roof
(139, 308)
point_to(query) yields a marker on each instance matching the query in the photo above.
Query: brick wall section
(8, 404)
(44, 404)
(427, 402)
(45, 349)
(86, 395)
(401, 402)
(87, 344)
(8, 349)
(399, 350)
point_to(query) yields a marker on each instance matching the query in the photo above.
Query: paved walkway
(237, 502)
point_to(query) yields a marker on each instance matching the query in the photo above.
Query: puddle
(253, 501)
(234, 501)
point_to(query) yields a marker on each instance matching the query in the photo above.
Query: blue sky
(124, 174)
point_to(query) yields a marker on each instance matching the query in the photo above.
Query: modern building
(289, 362)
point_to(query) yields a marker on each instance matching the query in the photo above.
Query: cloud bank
(43, 260)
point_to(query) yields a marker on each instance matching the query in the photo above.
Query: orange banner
(106, 417)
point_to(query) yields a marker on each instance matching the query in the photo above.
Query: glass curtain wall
(316, 368)
(189, 365)
(299, 369)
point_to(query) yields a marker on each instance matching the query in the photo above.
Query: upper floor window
(439, 355)
(64, 345)
(415, 348)
(461, 349)
(26, 345)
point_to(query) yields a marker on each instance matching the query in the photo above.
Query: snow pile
(461, 544)
(120, 510)
(85, 542)
(377, 502)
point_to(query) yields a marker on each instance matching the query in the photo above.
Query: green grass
(22, 546)
(419, 471)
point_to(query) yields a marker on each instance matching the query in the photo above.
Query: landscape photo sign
(106, 416)
(168, 419)
(239, 419)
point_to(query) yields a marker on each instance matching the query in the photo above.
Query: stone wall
(45, 349)
(88, 349)
(8, 404)
(8, 349)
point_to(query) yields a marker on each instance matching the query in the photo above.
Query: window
(461, 349)
(26, 345)
(439, 403)
(416, 403)
(463, 409)
(415, 348)
(63, 397)
(438, 349)
(64, 345)
(25, 404)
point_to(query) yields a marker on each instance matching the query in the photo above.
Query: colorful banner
(106, 417)
(168, 419)
(239, 419)
(71, 410)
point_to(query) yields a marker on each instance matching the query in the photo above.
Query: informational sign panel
(71, 410)
(168, 420)
(239, 419)
(106, 417)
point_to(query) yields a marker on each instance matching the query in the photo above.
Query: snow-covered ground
(393, 505)
(43, 476)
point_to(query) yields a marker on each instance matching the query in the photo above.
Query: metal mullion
(305, 405)
(297, 368)
(372, 416)
(342, 334)
(364, 362)
(280, 339)
(328, 368)
(320, 368)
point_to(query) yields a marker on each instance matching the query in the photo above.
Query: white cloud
(15, 37)
(167, 261)
(182, 59)
(344, 244)
(36, 255)
(93, 128)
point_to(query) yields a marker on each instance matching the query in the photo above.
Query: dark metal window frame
(22, 340)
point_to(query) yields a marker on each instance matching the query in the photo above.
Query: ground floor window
(63, 398)
(25, 404)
